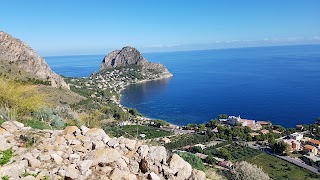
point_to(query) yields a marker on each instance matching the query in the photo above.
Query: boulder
(85, 165)
(157, 154)
(153, 176)
(13, 170)
(106, 155)
(71, 130)
(32, 161)
(143, 151)
(113, 142)
(72, 172)
(97, 135)
(57, 159)
(180, 167)
(130, 144)
(197, 175)
(12, 126)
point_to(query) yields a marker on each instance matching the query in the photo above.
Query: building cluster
(309, 147)
(252, 124)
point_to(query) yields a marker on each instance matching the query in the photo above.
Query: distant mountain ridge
(17, 52)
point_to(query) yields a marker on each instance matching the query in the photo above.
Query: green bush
(5, 156)
(193, 160)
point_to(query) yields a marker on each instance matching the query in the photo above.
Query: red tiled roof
(314, 141)
(308, 147)
(263, 122)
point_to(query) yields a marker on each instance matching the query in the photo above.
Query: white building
(296, 136)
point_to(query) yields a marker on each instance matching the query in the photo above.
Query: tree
(247, 171)
(202, 127)
(134, 112)
(210, 159)
(281, 147)
(272, 140)
(223, 116)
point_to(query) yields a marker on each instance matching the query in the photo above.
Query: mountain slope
(19, 54)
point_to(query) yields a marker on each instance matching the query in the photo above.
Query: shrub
(22, 98)
(247, 171)
(5, 156)
(193, 160)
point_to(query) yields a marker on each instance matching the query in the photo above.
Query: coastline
(118, 101)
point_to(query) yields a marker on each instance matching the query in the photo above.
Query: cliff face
(15, 51)
(83, 153)
(131, 56)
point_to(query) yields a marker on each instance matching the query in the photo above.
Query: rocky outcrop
(83, 153)
(131, 56)
(15, 51)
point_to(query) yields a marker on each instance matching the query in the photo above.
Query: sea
(278, 84)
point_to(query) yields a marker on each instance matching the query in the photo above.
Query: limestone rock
(180, 166)
(12, 126)
(197, 175)
(128, 56)
(97, 134)
(57, 159)
(157, 153)
(71, 130)
(153, 176)
(143, 150)
(72, 172)
(107, 155)
(13, 170)
(130, 144)
(18, 52)
(85, 165)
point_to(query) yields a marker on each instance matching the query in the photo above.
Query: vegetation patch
(134, 131)
(279, 169)
(5, 156)
(36, 124)
(193, 160)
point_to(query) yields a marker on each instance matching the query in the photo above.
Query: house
(310, 149)
(311, 160)
(299, 127)
(264, 123)
(201, 156)
(201, 146)
(253, 134)
(275, 131)
(295, 145)
(232, 120)
(215, 130)
(225, 164)
(296, 136)
(314, 142)
(264, 131)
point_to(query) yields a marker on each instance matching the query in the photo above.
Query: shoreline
(118, 101)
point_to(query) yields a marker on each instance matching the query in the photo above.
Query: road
(297, 162)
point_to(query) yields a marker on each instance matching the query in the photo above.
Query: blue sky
(65, 27)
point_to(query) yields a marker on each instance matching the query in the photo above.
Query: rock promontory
(131, 57)
(15, 52)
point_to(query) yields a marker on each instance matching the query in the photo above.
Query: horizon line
(166, 51)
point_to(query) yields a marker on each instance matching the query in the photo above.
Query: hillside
(19, 60)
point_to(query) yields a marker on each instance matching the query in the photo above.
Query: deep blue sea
(280, 84)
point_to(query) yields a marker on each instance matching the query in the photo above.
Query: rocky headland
(83, 153)
(15, 53)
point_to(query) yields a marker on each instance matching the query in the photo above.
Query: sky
(74, 27)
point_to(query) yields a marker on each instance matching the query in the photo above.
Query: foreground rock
(82, 153)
